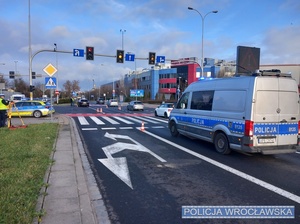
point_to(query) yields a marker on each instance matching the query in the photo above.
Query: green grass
(24, 159)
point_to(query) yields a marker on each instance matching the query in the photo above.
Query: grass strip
(24, 159)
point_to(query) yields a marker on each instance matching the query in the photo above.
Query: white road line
(148, 120)
(82, 120)
(157, 119)
(135, 120)
(250, 178)
(123, 120)
(110, 120)
(124, 128)
(89, 129)
(108, 128)
(97, 120)
(157, 127)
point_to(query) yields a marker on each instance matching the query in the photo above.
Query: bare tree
(71, 87)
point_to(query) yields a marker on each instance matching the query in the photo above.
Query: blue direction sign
(160, 59)
(78, 52)
(129, 57)
(50, 82)
(136, 93)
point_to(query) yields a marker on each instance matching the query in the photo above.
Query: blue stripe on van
(234, 127)
(259, 129)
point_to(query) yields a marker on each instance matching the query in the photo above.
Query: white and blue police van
(251, 114)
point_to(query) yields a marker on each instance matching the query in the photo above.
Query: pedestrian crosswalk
(119, 122)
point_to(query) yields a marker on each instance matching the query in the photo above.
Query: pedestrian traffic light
(120, 56)
(11, 74)
(89, 53)
(33, 75)
(32, 88)
(151, 58)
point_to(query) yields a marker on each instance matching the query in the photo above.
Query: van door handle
(293, 118)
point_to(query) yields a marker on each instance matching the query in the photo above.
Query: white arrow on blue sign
(129, 57)
(50, 82)
(78, 52)
(161, 59)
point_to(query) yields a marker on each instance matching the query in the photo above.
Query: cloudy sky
(166, 27)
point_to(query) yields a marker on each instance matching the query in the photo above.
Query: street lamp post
(55, 49)
(122, 31)
(203, 18)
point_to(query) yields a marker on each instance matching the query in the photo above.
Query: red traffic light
(89, 53)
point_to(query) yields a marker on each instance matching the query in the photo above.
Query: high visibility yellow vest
(2, 106)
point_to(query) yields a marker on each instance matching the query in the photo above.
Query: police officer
(3, 109)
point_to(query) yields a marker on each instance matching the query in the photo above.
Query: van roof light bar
(272, 72)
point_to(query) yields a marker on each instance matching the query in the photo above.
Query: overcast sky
(166, 27)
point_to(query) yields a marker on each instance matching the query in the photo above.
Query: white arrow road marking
(119, 165)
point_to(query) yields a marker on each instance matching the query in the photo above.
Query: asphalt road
(146, 176)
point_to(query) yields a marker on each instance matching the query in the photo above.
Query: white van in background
(254, 114)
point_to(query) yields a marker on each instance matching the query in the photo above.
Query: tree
(71, 87)
(21, 86)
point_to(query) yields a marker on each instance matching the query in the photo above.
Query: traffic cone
(97, 110)
(106, 106)
(119, 107)
(100, 110)
(142, 128)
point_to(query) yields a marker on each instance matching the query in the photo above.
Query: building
(168, 81)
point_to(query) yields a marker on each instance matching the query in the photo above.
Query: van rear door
(275, 112)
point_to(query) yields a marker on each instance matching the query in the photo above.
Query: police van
(252, 114)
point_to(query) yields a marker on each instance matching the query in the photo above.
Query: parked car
(101, 100)
(83, 103)
(112, 103)
(30, 108)
(164, 110)
(135, 105)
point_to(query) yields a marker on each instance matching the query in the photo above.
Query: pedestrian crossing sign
(50, 82)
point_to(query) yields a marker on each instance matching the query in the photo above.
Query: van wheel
(173, 129)
(166, 115)
(221, 143)
(155, 113)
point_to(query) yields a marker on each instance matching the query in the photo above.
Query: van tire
(166, 115)
(221, 143)
(173, 129)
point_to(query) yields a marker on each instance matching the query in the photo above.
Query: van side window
(183, 101)
(202, 100)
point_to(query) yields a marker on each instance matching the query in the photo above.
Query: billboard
(247, 59)
(136, 93)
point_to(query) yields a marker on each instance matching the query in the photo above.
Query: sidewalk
(71, 195)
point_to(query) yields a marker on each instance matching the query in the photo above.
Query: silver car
(112, 103)
(135, 105)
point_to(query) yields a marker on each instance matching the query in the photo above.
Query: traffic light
(89, 53)
(11, 74)
(151, 58)
(120, 56)
(33, 75)
(31, 88)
